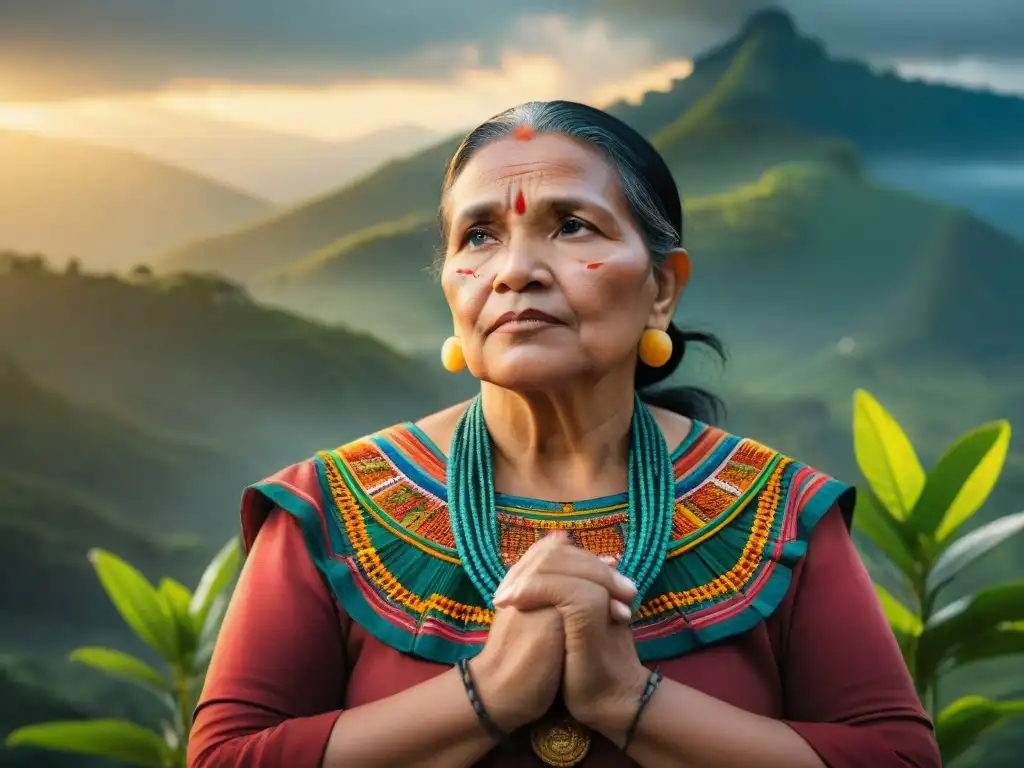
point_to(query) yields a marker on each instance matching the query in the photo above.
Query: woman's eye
(572, 226)
(476, 237)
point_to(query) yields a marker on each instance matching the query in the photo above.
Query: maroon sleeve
(277, 678)
(847, 690)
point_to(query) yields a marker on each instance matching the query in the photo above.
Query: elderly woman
(590, 574)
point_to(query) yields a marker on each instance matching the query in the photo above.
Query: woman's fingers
(554, 556)
(567, 560)
(621, 613)
(585, 565)
(580, 601)
(558, 590)
(533, 553)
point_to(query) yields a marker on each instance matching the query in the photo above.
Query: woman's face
(547, 276)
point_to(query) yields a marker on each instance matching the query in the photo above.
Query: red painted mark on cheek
(520, 203)
(595, 265)
(466, 272)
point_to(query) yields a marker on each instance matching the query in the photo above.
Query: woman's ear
(673, 276)
(681, 265)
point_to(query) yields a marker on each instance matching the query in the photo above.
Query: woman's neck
(567, 444)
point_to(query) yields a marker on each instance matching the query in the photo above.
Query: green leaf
(885, 532)
(1004, 640)
(969, 548)
(885, 456)
(177, 595)
(122, 666)
(139, 604)
(960, 724)
(905, 624)
(961, 480)
(964, 620)
(177, 598)
(215, 579)
(118, 740)
(211, 627)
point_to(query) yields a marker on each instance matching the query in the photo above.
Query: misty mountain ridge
(771, 74)
(142, 348)
(280, 167)
(106, 206)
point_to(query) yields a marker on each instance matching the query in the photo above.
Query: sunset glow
(590, 62)
(341, 111)
(346, 110)
(24, 117)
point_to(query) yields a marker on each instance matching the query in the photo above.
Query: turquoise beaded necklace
(471, 503)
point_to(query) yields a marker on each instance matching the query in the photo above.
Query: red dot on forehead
(520, 203)
(523, 133)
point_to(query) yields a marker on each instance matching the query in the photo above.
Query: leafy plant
(915, 518)
(181, 626)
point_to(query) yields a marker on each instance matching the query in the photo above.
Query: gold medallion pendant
(560, 741)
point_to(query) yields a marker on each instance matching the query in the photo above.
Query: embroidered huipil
(353, 591)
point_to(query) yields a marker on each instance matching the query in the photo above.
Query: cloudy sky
(337, 69)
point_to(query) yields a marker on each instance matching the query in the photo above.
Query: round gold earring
(655, 348)
(451, 355)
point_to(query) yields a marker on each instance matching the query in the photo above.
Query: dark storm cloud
(54, 48)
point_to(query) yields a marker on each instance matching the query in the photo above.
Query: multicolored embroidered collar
(375, 518)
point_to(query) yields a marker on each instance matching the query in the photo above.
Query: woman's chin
(533, 369)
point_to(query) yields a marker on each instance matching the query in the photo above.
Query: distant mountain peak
(772, 22)
(769, 44)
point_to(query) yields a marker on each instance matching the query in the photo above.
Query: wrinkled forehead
(547, 165)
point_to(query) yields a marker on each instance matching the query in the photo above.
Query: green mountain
(971, 297)
(766, 97)
(74, 445)
(378, 280)
(112, 206)
(770, 75)
(73, 478)
(47, 526)
(193, 357)
(396, 190)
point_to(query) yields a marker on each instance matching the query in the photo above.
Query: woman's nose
(523, 265)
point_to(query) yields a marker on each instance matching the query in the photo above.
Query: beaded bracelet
(478, 706)
(652, 685)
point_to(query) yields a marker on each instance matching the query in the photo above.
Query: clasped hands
(568, 611)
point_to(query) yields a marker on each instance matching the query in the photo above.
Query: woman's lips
(525, 320)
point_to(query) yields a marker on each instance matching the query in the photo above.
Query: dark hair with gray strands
(654, 203)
